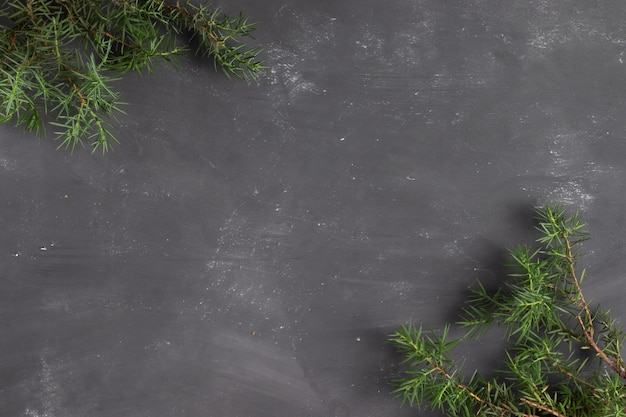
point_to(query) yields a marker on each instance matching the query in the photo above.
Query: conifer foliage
(59, 58)
(564, 356)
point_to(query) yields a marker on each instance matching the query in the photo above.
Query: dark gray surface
(246, 250)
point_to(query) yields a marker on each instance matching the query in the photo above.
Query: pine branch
(545, 315)
(59, 58)
(585, 319)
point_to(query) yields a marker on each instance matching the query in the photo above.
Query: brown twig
(478, 399)
(543, 408)
(571, 375)
(31, 12)
(587, 328)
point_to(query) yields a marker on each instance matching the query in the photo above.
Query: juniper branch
(545, 315)
(59, 58)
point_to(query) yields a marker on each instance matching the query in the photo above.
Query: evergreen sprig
(549, 324)
(59, 58)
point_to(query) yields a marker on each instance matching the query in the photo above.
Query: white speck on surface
(6, 164)
(50, 392)
(159, 345)
(571, 188)
(286, 73)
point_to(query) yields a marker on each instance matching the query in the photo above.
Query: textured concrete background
(246, 250)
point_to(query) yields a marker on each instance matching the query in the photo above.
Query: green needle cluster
(59, 58)
(563, 357)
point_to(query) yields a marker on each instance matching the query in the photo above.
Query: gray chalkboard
(247, 250)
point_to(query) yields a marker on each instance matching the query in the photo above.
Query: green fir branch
(549, 323)
(60, 58)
